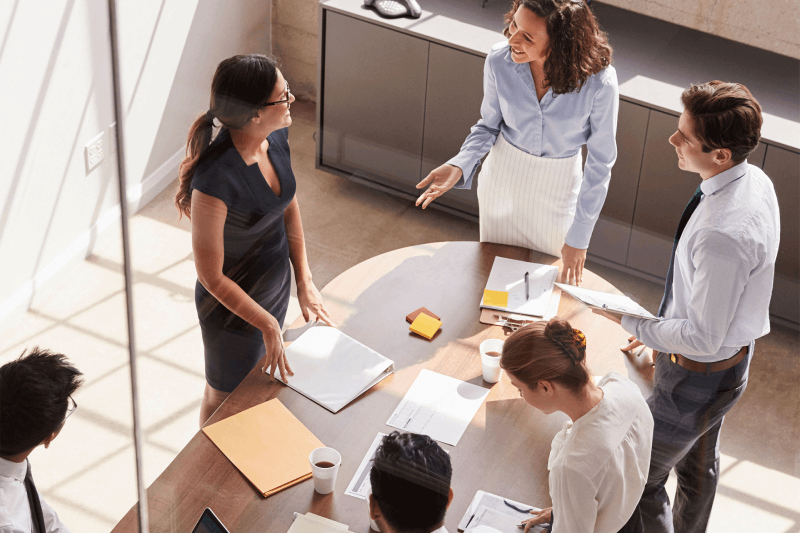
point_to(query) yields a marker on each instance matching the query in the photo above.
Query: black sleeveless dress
(256, 253)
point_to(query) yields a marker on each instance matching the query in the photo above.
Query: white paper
(438, 406)
(311, 523)
(614, 303)
(508, 275)
(485, 508)
(333, 369)
(359, 486)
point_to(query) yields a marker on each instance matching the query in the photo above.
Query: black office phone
(395, 8)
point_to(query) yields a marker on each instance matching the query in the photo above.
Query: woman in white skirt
(548, 90)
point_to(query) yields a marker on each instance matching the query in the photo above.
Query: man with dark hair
(410, 480)
(716, 301)
(35, 401)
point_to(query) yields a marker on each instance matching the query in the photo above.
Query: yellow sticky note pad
(495, 298)
(425, 325)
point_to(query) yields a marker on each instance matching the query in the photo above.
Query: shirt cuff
(579, 235)
(468, 168)
(629, 324)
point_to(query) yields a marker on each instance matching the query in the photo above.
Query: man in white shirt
(35, 401)
(716, 301)
(410, 480)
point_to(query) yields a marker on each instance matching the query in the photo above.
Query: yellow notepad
(425, 325)
(267, 444)
(495, 298)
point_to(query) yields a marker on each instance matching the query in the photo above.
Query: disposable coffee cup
(491, 363)
(325, 464)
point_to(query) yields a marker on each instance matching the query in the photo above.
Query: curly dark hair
(578, 47)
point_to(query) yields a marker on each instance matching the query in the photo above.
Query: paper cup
(324, 476)
(491, 364)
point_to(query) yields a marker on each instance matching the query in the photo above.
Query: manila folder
(267, 444)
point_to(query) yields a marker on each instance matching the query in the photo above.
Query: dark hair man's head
(720, 127)
(410, 480)
(34, 398)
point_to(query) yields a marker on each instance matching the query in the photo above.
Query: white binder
(333, 369)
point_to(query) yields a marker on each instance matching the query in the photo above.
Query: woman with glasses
(548, 90)
(239, 192)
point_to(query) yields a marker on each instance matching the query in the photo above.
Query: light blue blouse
(556, 127)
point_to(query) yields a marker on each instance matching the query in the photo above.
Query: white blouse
(599, 464)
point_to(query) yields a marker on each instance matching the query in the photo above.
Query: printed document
(359, 486)
(438, 406)
(508, 275)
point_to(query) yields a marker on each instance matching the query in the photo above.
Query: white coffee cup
(325, 476)
(491, 364)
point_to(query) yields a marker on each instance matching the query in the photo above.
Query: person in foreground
(239, 191)
(35, 400)
(547, 91)
(715, 304)
(598, 462)
(410, 480)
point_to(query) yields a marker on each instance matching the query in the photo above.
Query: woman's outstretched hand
(572, 269)
(539, 517)
(276, 352)
(441, 179)
(311, 302)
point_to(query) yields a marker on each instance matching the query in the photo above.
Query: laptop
(209, 523)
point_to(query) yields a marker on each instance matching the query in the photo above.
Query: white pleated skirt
(525, 200)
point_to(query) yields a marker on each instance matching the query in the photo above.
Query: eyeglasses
(71, 406)
(285, 98)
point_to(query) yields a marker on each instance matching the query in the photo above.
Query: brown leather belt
(707, 368)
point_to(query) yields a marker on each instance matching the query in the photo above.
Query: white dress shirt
(555, 127)
(599, 464)
(15, 511)
(723, 272)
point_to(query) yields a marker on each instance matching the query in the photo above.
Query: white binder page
(359, 486)
(508, 275)
(438, 406)
(333, 369)
(613, 303)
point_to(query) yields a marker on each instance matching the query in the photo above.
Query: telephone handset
(395, 8)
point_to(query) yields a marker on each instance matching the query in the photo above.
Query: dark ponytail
(241, 86)
(552, 351)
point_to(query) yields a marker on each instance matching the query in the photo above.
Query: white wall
(56, 94)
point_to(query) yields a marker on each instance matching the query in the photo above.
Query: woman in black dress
(239, 191)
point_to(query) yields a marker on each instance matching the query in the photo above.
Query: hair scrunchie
(578, 338)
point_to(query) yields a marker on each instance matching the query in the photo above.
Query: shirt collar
(14, 470)
(715, 183)
(440, 530)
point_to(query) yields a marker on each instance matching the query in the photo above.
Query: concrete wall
(772, 25)
(57, 95)
(773, 28)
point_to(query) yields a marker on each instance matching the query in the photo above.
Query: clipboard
(604, 301)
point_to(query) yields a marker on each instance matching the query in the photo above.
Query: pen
(527, 295)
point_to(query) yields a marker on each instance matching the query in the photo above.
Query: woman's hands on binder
(276, 352)
(539, 517)
(441, 179)
(572, 260)
(311, 302)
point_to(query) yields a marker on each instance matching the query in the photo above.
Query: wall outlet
(94, 152)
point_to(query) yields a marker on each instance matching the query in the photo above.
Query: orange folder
(267, 444)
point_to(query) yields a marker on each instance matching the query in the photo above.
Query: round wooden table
(504, 450)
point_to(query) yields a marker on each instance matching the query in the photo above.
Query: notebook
(311, 523)
(333, 369)
(267, 430)
(505, 288)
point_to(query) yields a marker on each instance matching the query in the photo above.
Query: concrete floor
(88, 475)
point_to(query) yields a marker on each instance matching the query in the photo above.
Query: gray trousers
(688, 409)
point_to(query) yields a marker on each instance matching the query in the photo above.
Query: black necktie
(687, 214)
(33, 500)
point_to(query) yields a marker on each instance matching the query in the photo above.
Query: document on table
(508, 276)
(359, 486)
(502, 514)
(613, 303)
(438, 406)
